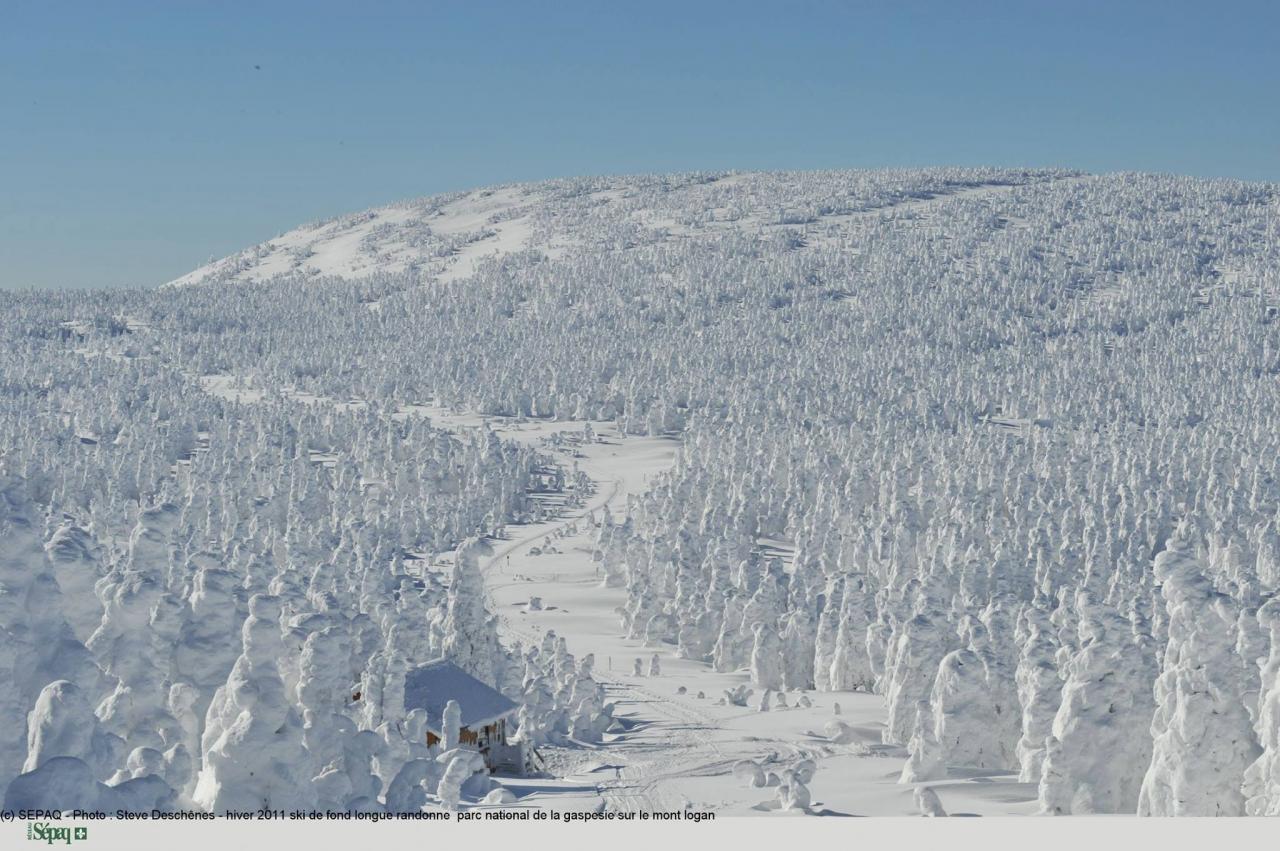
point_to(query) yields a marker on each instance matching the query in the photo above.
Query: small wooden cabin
(488, 716)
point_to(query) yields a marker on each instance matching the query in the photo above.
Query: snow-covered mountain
(444, 237)
(966, 481)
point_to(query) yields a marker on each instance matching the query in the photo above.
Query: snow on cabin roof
(434, 684)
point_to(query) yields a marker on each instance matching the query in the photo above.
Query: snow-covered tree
(1203, 738)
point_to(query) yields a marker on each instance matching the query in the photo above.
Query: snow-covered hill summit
(442, 237)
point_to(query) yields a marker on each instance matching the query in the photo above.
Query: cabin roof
(434, 684)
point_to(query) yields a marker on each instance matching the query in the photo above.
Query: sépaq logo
(43, 831)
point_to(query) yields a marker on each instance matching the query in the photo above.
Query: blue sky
(138, 139)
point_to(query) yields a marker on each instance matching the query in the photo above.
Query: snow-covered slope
(951, 490)
(444, 237)
(434, 235)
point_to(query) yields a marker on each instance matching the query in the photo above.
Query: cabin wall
(491, 741)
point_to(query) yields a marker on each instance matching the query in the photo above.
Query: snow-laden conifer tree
(1039, 692)
(926, 759)
(470, 641)
(766, 658)
(918, 652)
(62, 724)
(254, 753)
(1262, 778)
(1203, 739)
(964, 714)
(37, 645)
(1102, 724)
(850, 665)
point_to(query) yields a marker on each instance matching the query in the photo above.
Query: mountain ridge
(444, 236)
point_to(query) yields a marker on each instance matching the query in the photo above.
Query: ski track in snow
(686, 743)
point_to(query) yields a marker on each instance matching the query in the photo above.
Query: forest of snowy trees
(1020, 474)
